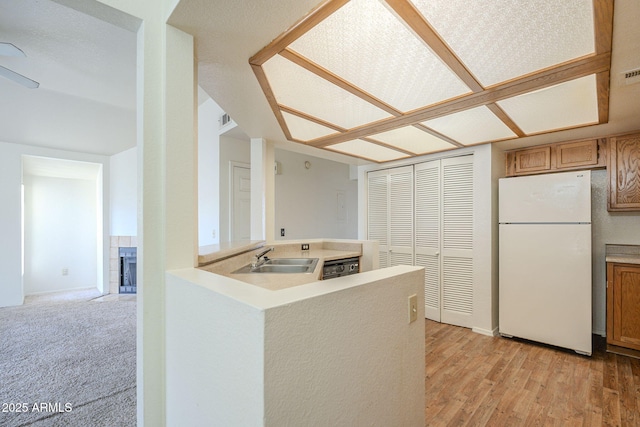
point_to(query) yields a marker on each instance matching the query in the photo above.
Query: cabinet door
(378, 213)
(623, 305)
(457, 241)
(533, 160)
(571, 155)
(427, 238)
(624, 173)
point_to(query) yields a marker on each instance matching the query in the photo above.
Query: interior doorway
(62, 225)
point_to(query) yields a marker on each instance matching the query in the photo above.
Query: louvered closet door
(427, 233)
(378, 212)
(457, 241)
(401, 216)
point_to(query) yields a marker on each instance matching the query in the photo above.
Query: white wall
(307, 200)
(208, 173)
(347, 358)
(607, 228)
(60, 233)
(124, 193)
(11, 286)
(236, 150)
(335, 354)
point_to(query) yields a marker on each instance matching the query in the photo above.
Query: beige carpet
(68, 360)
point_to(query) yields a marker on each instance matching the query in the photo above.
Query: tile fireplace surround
(114, 261)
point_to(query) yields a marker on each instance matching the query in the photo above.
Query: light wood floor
(475, 380)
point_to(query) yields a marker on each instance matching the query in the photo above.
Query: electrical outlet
(282, 232)
(413, 308)
(305, 246)
(65, 271)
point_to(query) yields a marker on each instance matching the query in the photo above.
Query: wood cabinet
(623, 305)
(563, 156)
(624, 173)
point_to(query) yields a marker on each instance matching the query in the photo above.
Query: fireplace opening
(128, 277)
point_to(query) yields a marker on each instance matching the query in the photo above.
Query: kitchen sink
(291, 261)
(282, 266)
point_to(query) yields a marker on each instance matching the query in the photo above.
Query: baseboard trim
(623, 351)
(488, 332)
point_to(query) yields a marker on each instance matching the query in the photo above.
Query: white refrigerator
(545, 259)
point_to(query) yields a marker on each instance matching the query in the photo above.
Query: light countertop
(625, 254)
(211, 253)
(323, 250)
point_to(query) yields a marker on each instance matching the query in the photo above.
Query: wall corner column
(262, 190)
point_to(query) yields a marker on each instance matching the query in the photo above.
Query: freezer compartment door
(545, 284)
(559, 197)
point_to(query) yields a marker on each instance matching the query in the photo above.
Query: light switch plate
(413, 308)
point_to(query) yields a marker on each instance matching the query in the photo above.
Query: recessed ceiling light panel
(305, 130)
(570, 104)
(363, 77)
(413, 139)
(369, 47)
(297, 88)
(499, 40)
(367, 150)
(472, 126)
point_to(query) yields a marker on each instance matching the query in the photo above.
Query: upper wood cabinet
(587, 154)
(624, 173)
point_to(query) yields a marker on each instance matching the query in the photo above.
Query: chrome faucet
(257, 258)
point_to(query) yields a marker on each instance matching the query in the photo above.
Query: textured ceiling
(229, 33)
(87, 101)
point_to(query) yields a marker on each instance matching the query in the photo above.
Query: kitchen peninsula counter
(248, 354)
(324, 250)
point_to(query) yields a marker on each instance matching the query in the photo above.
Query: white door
(444, 237)
(390, 214)
(457, 241)
(240, 215)
(428, 230)
(401, 216)
(378, 213)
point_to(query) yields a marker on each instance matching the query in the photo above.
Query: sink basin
(282, 266)
(267, 268)
(291, 261)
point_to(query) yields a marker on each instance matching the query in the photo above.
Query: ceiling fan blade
(18, 78)
(7, 49)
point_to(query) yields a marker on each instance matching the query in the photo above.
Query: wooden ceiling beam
(603, 27)
(500, 113)
(309, 21)
(602, 90)
(411, 17)
(437, 135)
(338, 81)
(548, 77)
(271, 99)
(311, 118)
